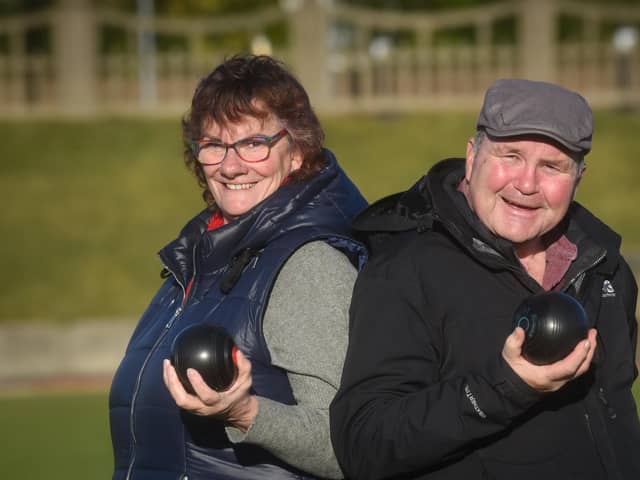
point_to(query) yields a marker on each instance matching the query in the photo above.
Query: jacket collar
(596, 242)
(328, 200)
(435, 199)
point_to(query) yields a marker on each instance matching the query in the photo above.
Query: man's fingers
(577, 362)
(592, 342)
(513, 344)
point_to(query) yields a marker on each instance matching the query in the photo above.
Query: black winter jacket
(425, 392)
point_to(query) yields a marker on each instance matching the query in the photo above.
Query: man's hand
(549, 378)
(235, 406)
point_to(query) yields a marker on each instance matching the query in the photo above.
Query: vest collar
(326, 200)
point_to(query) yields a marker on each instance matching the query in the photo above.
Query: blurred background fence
(89, 58)
(351, 59)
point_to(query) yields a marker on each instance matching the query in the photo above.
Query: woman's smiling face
(236, 185)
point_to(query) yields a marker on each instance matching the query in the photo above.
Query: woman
(271, 260)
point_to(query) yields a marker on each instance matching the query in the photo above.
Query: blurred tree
(113, 40)
(418, 4)
(8, 7)
(446, 4)
(37, 39)
(192, 7)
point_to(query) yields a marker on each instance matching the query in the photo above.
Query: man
(435, 385)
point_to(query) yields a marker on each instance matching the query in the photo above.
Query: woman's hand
(235, 406)
(548, 378)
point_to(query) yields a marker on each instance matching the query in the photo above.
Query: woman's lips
(239, 186)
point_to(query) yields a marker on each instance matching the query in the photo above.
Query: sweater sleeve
(306, 328)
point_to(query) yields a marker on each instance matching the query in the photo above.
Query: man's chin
(519, 238)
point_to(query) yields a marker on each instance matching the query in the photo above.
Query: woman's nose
(232, 165)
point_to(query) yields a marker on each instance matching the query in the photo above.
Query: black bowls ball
(209, 350)
(553, 323)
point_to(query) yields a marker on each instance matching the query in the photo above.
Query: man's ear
(582, 168)
(470, 157)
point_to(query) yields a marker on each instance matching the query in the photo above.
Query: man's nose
(526, 180)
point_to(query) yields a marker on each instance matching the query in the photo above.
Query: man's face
(520, 188)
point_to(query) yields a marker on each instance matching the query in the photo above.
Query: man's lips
(519, 205)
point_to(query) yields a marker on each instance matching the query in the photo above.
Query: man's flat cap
(515, 107)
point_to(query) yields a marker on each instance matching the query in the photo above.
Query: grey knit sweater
(306, 330)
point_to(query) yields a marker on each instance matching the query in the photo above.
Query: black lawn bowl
(554, 323)
(209, 350)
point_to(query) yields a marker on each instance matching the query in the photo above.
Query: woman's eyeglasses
(251, 149)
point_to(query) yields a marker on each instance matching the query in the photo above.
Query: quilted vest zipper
(166, 328)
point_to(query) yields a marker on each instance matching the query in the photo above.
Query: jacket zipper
(587, 267)
(587, 420)
(453, 229)
(166, 328)
(603, 465)
(610, 410)
(587, 417)
(137, 387)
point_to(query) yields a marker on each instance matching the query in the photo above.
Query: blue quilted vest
(233, 270)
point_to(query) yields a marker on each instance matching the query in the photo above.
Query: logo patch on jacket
(474, 402)
(607, 289)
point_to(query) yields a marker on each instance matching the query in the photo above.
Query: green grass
(69, 434)
(87, 204)
(55, 437)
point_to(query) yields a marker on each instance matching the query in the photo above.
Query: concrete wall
(35, 354)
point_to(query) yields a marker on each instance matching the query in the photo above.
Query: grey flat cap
(519, 107)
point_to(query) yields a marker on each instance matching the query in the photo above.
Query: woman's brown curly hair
(261, 87)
